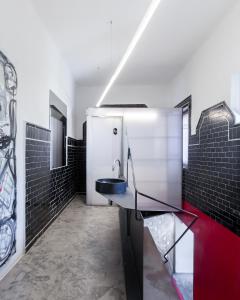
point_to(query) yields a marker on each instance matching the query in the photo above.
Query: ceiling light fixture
(141, 28)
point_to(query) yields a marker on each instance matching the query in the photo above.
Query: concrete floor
(78, 257)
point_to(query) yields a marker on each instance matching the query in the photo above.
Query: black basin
(111, 186)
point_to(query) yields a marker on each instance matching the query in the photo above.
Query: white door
(104, 145)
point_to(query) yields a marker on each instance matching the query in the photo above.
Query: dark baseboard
(133, 289)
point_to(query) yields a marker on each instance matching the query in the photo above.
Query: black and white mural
(8, 89)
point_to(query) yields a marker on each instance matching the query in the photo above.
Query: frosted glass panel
(174, 124)
(156, 150)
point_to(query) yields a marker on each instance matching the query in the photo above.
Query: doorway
(104, 145)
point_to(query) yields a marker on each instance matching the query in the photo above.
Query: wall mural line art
(8, 90)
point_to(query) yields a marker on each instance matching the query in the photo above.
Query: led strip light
(140, 30)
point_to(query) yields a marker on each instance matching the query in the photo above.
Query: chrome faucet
(119, 167)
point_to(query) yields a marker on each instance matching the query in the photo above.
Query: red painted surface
(216, 259)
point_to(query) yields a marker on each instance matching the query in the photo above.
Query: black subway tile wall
(82, 167)
(212, 180)
(49, 191)
(79, 159)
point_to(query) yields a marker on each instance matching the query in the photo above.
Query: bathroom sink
(111, 186)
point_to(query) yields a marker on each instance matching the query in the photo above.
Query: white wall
(39, 66)
(207, 76)
(153, 96)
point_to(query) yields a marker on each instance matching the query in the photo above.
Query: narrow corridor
(78, 257)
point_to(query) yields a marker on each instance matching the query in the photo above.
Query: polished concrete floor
(78, 257)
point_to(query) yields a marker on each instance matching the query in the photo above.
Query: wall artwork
(8, 89)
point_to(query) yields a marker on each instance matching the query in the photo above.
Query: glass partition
(155, 139)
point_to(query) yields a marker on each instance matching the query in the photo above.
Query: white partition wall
(155, 139)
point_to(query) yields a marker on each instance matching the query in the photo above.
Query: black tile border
(36, 132)
(220, 108)
(211, 182)
(223, 109)
(48, 191)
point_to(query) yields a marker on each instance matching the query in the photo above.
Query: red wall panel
(216, 259)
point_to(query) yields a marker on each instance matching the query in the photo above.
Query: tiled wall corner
(48, 191)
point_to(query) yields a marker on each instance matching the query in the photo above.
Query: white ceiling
(176, 31)
(82, 31)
